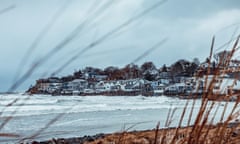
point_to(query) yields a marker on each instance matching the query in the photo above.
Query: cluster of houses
(176, 80)
(106, 87)
(164, 86)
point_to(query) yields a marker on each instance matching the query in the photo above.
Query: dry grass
(146, 137)
(203, 131)
(168, 135)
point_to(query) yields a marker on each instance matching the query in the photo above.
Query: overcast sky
(187, 26)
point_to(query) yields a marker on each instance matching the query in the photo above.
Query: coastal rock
(75, 140)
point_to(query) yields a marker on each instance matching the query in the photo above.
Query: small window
(216, 87)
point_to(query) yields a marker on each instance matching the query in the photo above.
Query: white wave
(28, 102)
(38, 104)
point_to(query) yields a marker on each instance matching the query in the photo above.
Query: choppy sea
(88, 115)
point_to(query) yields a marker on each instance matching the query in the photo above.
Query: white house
(133, 85)
(102, 86)
(77, 85)
(222, 85)
(178, 88)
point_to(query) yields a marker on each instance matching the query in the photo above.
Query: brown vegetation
(165, 136)
(203, 131)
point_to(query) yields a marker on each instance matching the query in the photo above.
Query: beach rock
(76, 140)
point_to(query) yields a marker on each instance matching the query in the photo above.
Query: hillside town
(183, 78)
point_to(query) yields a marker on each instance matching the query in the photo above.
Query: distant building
(77, 86)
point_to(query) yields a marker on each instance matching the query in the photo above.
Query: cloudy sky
(31, 29)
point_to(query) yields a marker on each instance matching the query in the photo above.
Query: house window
(216, 87)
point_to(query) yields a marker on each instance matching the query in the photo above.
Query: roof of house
(79, 80)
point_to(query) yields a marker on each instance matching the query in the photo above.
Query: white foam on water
(38, 104)
(86, 113)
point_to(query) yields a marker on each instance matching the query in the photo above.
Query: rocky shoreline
(150, 136)
(74, 140)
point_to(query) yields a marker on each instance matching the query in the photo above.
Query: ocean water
(89, 115)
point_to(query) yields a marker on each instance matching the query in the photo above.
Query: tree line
(147, 71)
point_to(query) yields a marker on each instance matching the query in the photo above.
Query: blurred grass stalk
(204, 130)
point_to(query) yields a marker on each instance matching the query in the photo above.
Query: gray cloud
(189, 26)
(175, 9)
